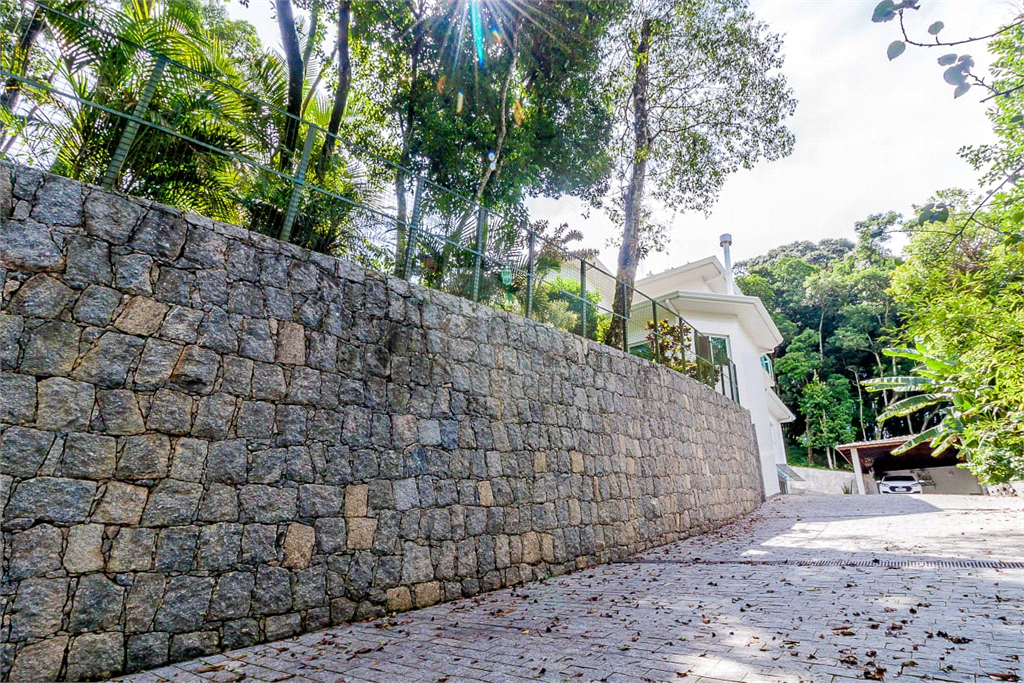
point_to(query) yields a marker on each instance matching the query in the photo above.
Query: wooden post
(857, 471)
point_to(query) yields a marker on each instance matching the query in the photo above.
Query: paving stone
(185, 602)
(705, 610)
(40, 661)
(64, 405)
(106, 364)
(95, 655)
(299, 540)
(37, 608)
(120, 412)
(51, 350)
(96, 305)
(160, 234)
(144, 597)
(84, 552)
(97, 604)
(41, 296)
(110, 217)
(172, 502)
(88, 262)
(35, 552)
(28, 245)
(142, 316)
(53, 499)
(132, 550)
(22, 450)
(144, 457)
(121, 504)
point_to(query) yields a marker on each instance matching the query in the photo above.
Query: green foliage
(829, 409)
(830, 302)
(966, 319)
(568, 291)
(673, 345)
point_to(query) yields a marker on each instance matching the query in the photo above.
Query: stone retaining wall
(209, 438)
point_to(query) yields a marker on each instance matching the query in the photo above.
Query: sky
(872, 135)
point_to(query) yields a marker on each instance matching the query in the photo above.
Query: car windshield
(899, 477)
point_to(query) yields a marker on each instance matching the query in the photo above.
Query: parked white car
(899, 483)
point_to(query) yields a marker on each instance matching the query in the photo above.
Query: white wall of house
(947, 480)
(698, 292)
(823, 481)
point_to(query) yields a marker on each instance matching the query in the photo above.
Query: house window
(721, 347)
(766, 363)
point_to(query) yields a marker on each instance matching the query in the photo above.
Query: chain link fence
(157, 119)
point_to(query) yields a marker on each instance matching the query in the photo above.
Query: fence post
(529, 274)
(583, 297)
(481, 222)
(682, 342)
(654, 329)
(625, 319)
(300, 177)
(410, 229)
(132, 129)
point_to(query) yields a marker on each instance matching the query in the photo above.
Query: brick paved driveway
(715, 608)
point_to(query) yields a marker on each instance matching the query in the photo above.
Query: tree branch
(938, 43)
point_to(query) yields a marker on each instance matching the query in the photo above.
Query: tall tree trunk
(12, 88)
(629, 251)
(405, 158)
(296, 71)
(344, 81)
(821, 340)
(490, 170)
(860, 405)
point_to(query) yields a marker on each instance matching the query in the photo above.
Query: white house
(702, 294)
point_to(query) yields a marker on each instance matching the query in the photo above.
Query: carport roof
(878, 447)
(878, 454)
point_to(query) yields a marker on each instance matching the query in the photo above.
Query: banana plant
(935, 387)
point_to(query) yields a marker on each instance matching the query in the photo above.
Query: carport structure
(877, 456)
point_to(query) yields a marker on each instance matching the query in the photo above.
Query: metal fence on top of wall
(169, 125)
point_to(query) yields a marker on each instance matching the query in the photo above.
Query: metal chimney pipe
(725, 241)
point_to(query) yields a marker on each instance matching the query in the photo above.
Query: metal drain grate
(900, 564)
